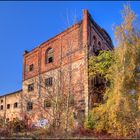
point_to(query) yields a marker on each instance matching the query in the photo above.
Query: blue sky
(25, 25)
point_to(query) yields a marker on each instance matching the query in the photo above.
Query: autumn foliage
(119, 115)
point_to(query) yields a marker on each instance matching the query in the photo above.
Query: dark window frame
(31, 67)
(47, 103)
(7, 119)
(16, 105)
(49, 57)
(31, 87)
(8, 106)
(1, 107)
(99, 43)
(1, 100)
(95, 43)
(49, 82)
(97, 52)
(29, 106)
(95, 40)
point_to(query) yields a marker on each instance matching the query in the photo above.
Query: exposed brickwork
(70, 48)
(59, 44)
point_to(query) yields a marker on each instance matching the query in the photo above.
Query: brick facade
(10, 105)
(71, 49)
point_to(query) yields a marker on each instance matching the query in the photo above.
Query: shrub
(97, 120)
(4, 132)
(17, 125)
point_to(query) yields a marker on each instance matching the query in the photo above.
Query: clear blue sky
(25, 25)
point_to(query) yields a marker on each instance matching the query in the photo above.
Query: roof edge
(11, 93)
(51, 38)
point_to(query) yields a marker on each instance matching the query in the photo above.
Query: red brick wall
(67, 39)
(77, 38)
(95, 30)
(74, 38)
(29, 59)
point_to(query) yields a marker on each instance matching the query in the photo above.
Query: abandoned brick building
(57, 66)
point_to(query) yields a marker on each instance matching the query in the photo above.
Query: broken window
(15, 105)
(30, 87)
(47, 103)
(29, 106)
(31, 67)
(8, 106)
(48, 81)
(7, 119)
(96, 47)
(1, 101)
(95, 43)
(99, 44)
(49, 56)
(1, 107)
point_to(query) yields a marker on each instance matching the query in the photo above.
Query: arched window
(94, 43)
(95, 46)
(99, 44)
(49, 56)
(95, 40)
(15, 105)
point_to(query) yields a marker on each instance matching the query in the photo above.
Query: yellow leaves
(121, 112)
(128, 16)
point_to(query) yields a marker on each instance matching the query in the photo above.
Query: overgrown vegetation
(119, 115)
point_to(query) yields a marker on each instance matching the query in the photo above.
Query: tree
(121, 109)
(124, 101)
(101, 64)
